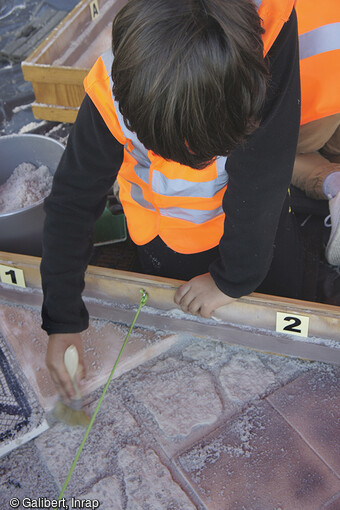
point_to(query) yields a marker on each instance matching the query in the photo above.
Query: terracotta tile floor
(186, 424)
(258, 461)
(317, 418)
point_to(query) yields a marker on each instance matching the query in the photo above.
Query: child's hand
(57, 345)
(201, 296)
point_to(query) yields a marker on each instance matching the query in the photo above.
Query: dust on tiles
(206, 453)
(102, 342)
(179, 395)
(109, 491)
(244, 374)
(148, 483)
(115, 467)
(21, 327)
(257, 461)
(180, 392)
(24, 474)
(113, 428)
(317, 417)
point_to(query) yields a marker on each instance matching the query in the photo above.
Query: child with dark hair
(196, 112)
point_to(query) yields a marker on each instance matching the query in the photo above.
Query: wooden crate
(59, 65)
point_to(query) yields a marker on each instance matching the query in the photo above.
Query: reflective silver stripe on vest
(191, 215)
(137, 196)
(107, 58)
(184, 188)
(142, 172)
(139, 152)
(258, 3)
(320, 40)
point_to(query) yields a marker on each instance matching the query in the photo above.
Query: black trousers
(284, 278)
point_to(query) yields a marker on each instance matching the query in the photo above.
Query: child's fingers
(181, 292)
(206, 310)
(62, 382)
(194, 306)
(190, 302)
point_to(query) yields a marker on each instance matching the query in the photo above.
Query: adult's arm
(259, 176)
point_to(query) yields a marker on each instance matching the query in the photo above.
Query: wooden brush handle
(71, 360)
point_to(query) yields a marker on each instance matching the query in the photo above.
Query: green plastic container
(110, 228)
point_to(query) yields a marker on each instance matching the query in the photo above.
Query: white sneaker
(333, 247)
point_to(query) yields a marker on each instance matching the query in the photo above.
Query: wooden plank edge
(63, 75)
(55, 113)
(122, 288)
(312, 349)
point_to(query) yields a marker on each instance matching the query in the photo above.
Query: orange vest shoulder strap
(97, 85)
(273, 13)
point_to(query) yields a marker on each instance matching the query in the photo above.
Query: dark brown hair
(189, 75)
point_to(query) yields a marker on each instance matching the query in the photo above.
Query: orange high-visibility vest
(319, 43)
(178, 203)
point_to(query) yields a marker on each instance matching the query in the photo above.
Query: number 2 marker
(292, 324)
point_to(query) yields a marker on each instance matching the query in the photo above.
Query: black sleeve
(259, 176)
(83, 178)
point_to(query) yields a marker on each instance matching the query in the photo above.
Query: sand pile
(27, 184)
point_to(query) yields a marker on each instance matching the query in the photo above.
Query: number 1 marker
(12, 276)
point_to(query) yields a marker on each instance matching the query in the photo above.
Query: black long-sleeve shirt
(259, 175)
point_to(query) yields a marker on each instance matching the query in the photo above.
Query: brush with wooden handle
(71, 361)
(72, 413)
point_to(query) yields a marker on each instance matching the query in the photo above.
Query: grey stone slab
(114, 427)
(178, 395)
(14, 15)
(118, 465)
(23, 474)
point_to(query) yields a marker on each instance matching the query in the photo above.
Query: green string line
(143, 300)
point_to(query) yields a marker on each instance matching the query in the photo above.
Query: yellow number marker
(292, 324)
(12, 275)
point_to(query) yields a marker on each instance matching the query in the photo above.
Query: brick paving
(188, 424)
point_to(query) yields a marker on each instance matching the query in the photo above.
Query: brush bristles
(73, 417)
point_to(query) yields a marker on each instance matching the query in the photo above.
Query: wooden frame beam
(250, 321)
